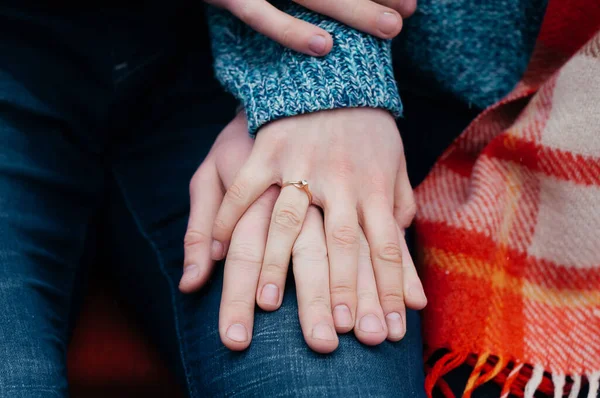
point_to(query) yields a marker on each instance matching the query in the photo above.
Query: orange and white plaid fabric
(508, 226)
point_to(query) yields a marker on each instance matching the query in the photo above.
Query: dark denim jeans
(110, 111)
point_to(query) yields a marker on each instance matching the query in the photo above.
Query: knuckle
(345, 237)
(355, 16)
(271, 268)
(240, 303)
(390, 252)
(219, 224)
(287, 217)
(392, 296)
(319, 303)
(310, 250)
(235, 192)
(245, 255)
(342, 288)
(287, 35)
(195, 238)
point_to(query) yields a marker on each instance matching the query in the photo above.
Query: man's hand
(246, 255)
(381, 18)
(354, 162)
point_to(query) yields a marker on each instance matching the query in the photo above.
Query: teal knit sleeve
(274, 82)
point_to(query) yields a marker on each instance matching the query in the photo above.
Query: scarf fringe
(516, 378)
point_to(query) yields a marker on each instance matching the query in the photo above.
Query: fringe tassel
(594, 384)
(492, 373)
(475, 375)
(512, 376)
(576, 387)
(559, 385)
(446, 363)
(535, 381)
(445, 388)
(516, 378)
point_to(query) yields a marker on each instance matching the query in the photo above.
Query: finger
(404, 212)
(286, 223)
(406, 8)
(250, 182)
(364, 15)
(370, 328)
(405, 206)
(288, 31)
(206, 194)
(386, 253)
(311, 272)
(414, 294)
(341, 227)
(242, 269)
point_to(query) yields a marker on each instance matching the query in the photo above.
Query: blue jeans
(110, 113)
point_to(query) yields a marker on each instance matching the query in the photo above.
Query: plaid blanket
(508, 226)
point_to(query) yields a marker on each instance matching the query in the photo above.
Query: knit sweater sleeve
(274, 82)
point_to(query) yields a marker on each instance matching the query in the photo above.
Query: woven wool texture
(508, 226)
(274, 82)
(469, 50)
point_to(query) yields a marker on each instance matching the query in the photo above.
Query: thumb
(206, 194)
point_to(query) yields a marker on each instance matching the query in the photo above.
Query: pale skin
(331, 257)
(380, 18)
(350, 261)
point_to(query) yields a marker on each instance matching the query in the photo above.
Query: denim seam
(180, 341)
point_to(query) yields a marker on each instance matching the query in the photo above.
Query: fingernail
(237, 332)
(317, 44)
(322, 331)
(387, 23)
(395, 324)
(270, 294)
(191, 271)
(342, 316)
(216, 250)
(370, 324)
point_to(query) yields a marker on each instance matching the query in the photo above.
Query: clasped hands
(350, 261)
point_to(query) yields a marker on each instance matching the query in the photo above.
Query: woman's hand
(381, 18)
(354, 162)
(243, 265)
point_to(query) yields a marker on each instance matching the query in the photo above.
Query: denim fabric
(110, 112)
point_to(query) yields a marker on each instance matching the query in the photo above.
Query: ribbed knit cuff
(274, 82)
